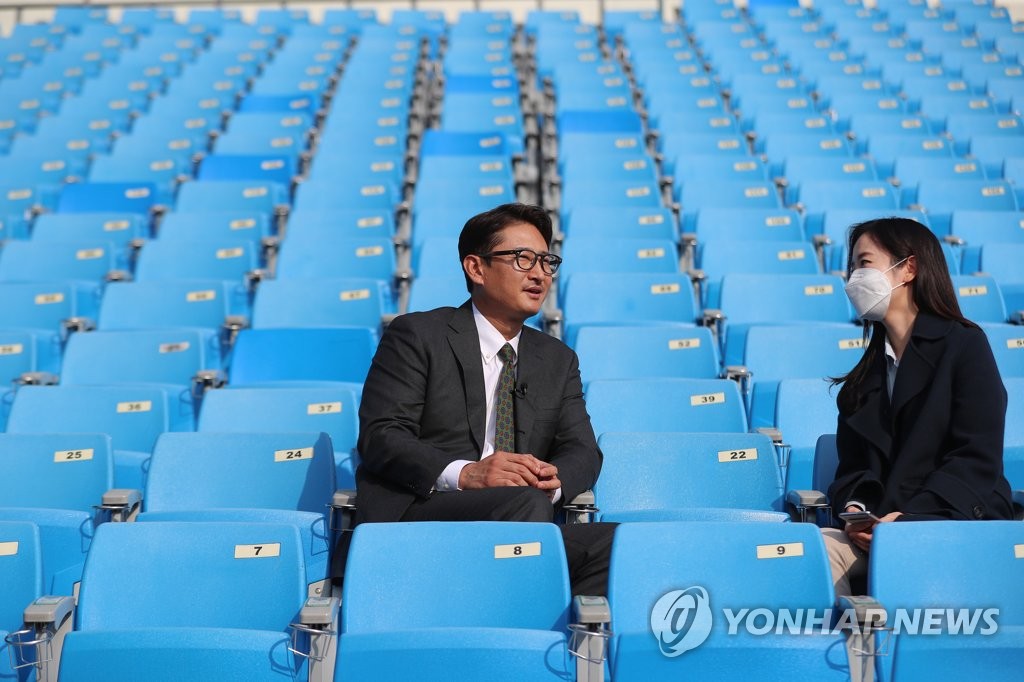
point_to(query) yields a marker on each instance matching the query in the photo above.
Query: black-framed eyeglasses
(525, 259)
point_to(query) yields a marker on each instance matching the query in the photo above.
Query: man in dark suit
(468, 415)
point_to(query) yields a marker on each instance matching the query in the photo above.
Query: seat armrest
(590, 633)
(38, 644)
(315, 636)
(123, 504)
(343, 510)
(808, 502)
(582, 508)
(807, 499)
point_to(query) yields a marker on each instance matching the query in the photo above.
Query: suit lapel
(465, 344)
(872, 420)
(917, 366)
(528, 373)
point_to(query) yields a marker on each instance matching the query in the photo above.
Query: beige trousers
(845, 559)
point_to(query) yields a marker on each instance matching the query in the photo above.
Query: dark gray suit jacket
(423, 407)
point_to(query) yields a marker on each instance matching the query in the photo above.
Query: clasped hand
(510, 469)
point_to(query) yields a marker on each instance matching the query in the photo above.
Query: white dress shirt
(491, 341)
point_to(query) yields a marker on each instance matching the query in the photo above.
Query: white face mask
(870, 292)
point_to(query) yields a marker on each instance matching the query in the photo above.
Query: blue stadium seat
(717, 258)
(655, 565)
(638, 352)
(1002, 261)
(171, 304)
(168, 358)
(983, 574)
(54, 481)
(230, 260)
(523, 639)
(335, 302)
(748, 224)
(41, 261)
(616, 255)
(336, 255)
(695, 405)
(130, 631)
(118, 228)
(301, 357)
(980, 298)
(333, 410)
(805, 409)
(800, 351)
(939, 198)
(132, 416)
(112, 197)
(27, 351)
(282, 477)
(637, 223)
(770, 299)
(628, 298)
(22, 567)
(226, 226)
(1007, 343)
(666, 476)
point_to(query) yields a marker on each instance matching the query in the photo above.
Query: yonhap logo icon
(681, 620)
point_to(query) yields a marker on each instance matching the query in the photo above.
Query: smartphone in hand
(859, 518)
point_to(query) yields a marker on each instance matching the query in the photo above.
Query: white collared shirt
(491, 341)
(892, 364)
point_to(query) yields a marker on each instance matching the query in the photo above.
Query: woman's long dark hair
(931, 290)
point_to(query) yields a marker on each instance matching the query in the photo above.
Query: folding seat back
(748, 224)
(127, 629)
(1002, 261)
(336, 255)
(719, 257)
(273, 168)
(628, 298)
(119, 228)
(132, 416)
(800, 351)
(301, 356)
(804, 410)
(697, 194)
(980, 298)
(634, 223)
(673, 472)
(524, 638)
(22, 567)
(346, 222)
(773, 298)
(692, 405)
(31, 261)
(429, 292)
(263, 477)
(655, 574)
(1007, 343)
(991, 549)
(226, 226)
(45, 305)
(335, 302)
(939, 198)
(202, 471)
(224, 195)
(320, 195)
(23, 351)
(332, 410)
(635, 352)
(615, 255)
(170, 304)
(113, 197)
(229, 260)
(138, 357)
(60, 471)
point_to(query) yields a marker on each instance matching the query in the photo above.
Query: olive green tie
(504, 423)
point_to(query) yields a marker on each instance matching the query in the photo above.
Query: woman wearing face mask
(920, 433)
